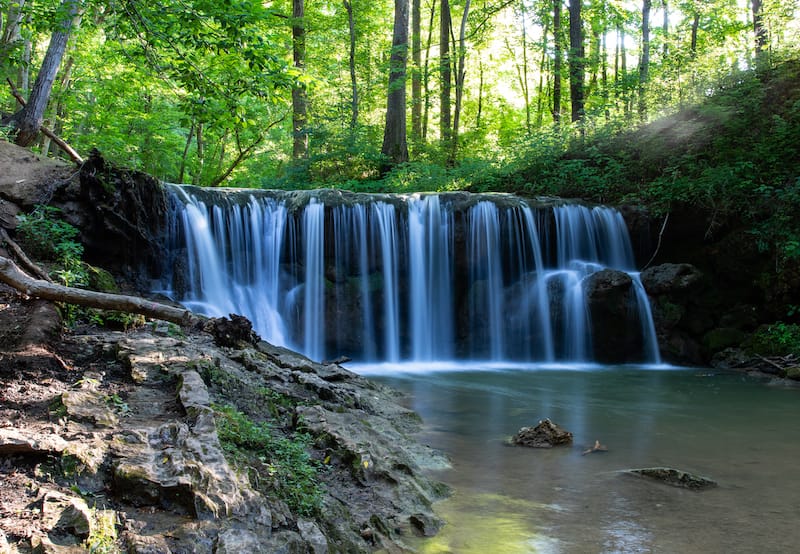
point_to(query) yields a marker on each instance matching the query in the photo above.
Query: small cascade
(419, 278)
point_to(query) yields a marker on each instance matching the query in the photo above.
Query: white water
(405, 279)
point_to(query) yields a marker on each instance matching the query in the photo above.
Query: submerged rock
(545, 435)
(674, 477)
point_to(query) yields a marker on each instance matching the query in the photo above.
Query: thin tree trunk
(524, 76)
(758, 27)
(557, 62)
(299, 97)
(416, 71)
(461, 74)
(395, 144)
(665, 28)
(604, 74)
(29, 119)
(445, 74)
(695, 27)
(576, 61)
(644, 60)
(426, 74)
(542, 71)
(201, 150)
(353, 82)
(185, 154)
(480, 95)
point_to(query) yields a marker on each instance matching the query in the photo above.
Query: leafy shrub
(47, 237)
(777, 339)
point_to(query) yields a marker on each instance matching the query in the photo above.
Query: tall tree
(644, 60)
(557, 61)
(416, 71)
(445, 73)
(351, 24)
(758, 27)
(395, 144)
(299, 93)
(461, 74)
(576, 61)
(29, 119)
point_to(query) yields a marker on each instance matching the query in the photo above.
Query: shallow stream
(741, 431)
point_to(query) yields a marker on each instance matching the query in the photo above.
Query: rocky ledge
(144, 445)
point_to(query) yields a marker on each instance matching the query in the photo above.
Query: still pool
(741, 431)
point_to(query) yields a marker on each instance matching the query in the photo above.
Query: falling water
(392, 278)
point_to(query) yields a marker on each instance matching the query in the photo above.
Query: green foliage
(47, 237)
(777, 339)
(103, 536)
(273, 462)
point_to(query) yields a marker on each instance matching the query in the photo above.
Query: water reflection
(735, 429)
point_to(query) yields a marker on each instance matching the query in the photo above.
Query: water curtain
(429, 277)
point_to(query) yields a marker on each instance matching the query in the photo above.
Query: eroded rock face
(156, 450)
(545, 435)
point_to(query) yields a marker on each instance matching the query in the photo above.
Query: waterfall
(422, 278)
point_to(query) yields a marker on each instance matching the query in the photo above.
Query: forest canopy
(294, 94)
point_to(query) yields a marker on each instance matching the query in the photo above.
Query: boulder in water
(545, 435)
(671, 279)
(616, 328)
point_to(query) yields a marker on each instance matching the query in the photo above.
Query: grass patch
(274, 463)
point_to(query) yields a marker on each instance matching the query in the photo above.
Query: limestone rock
(13, 441)
(313, 536)
(66, 514)
(545, 435)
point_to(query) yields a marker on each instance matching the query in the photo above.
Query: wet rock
(671, 278)
(545, 435)
(616, 329)
(674, 477)
(721, 338)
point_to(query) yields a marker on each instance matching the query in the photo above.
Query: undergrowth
(274, 463)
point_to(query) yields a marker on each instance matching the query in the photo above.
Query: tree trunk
(395, 144)
(185, 155)
(665, 29)
(29, 119)
(299, 97)
(416, 71)
(353, 82)
(576, 60)
(480, 95)
(542, 71)
(644, 61)
(12, 276)
(445, 74)
(695, 27)
(11, 32)
(426, 74)
(557, 62)
(461, 74)
(524, 74)
(758, 27)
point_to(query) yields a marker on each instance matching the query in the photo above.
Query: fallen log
(14, 277)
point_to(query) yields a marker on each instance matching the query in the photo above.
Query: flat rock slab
(674, 477)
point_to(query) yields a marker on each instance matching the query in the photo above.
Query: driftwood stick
(11, 275)
(74, 156)
(778, 366)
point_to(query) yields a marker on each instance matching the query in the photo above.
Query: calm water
(740, 431)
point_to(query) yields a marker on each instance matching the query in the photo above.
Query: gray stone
(313, 536)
